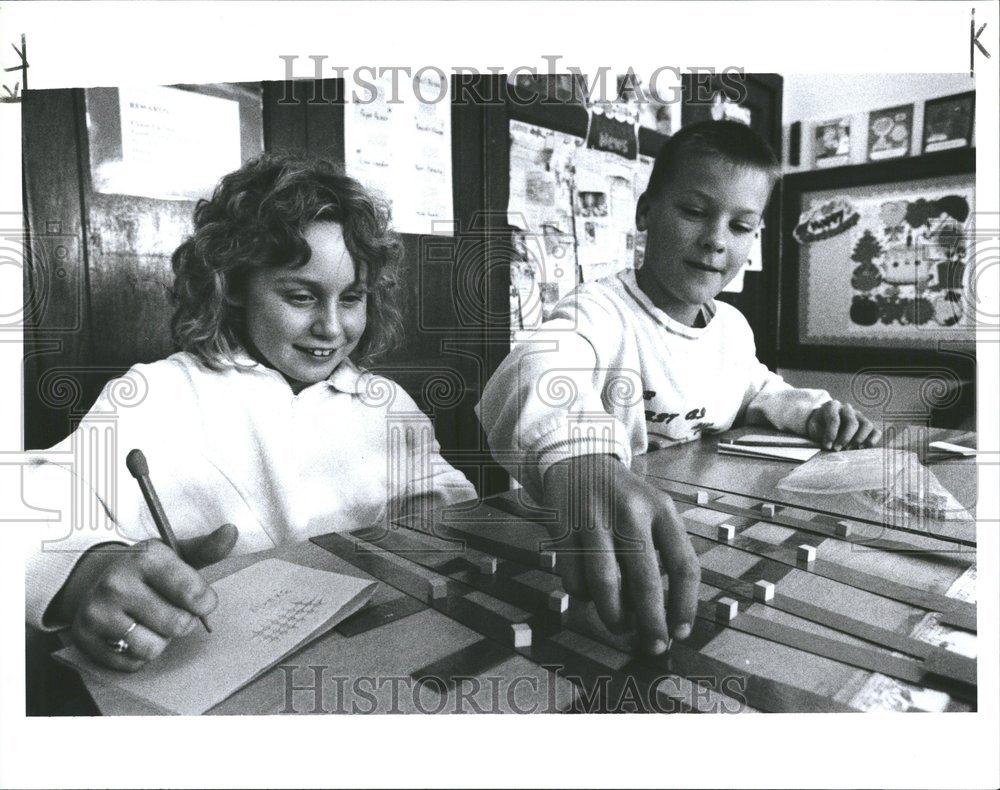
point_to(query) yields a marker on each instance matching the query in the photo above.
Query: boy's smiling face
(699, 230)
(304, 322)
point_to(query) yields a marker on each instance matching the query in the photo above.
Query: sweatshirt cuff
(47, 571)
(794, 407)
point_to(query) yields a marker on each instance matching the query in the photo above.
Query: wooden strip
(817, 614)
(764, 694)
(502, 585)
(406, 542)
(375, 616)
(960, 619)
(691, 695)
(601, 689)
(887, 588)
(952, 665)
(398, 573)
(472, 660)
(906, 669)
(722, 507)
(684, 659)
(527, 557)
(760, 692)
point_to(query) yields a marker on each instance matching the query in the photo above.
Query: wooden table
(471, 618)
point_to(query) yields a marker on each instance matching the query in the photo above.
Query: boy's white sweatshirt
(612, 373)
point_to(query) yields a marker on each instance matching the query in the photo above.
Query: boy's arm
(537, 406)
(808, 412)
(770, 400)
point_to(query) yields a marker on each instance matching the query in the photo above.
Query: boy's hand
(613, 528)
(113, 586)
(839, 426)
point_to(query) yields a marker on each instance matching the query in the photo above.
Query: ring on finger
(121, 645)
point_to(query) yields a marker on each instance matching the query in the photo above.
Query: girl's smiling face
(305, 321)
(700, 228)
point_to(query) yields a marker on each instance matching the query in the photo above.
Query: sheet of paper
(775, 441)
(797, 454)
(957, 449)
(400, 147)
(265, 612)
(175, 144)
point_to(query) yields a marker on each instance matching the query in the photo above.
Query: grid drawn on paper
(287, 619)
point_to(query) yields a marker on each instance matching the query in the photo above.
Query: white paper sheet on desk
(797, 454)
(265, 612)
(776, 440)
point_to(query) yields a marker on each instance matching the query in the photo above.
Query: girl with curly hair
(265, 421)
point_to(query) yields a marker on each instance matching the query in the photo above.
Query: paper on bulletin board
(400, 147)
(175, 144)
(540, 208)
(604, 211)
(540, 178)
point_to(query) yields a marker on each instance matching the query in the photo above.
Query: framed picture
(948, 122)
(875, 265)
(890, 132)
(832, 146)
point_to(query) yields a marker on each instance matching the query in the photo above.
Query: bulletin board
(574, 178)
(877, 257)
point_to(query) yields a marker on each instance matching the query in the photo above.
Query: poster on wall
(885, 265)
(159, 142)
(402, 140)
(833, 143)
(948, 122)
(890, 132)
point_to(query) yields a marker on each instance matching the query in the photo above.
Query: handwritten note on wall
(399, 145)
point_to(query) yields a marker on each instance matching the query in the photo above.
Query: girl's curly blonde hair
(256, 218)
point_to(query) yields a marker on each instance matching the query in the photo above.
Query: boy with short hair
(643, 360)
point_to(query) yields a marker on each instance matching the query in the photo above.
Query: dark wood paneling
(285, 129)
(57, 351)
(325, 121)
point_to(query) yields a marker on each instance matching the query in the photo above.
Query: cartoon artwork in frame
(876, 263)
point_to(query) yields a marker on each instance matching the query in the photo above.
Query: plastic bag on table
(879, 477)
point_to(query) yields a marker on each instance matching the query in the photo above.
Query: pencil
(137, 466)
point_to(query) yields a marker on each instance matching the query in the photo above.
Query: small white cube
(521, 634)
(438, 588)
(768, 510)
(843, 529)
(806, 555)
(726, 533)
(558, 601)
(726, 609)
(701, 497)
(486, 565)
(763, 591)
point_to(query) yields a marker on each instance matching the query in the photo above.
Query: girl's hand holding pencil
(140, 596)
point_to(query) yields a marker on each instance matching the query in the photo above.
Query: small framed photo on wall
(948, 122)
(890, 132)
(832, 143)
